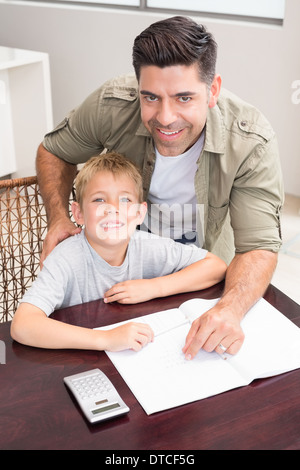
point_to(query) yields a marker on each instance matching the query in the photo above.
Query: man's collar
(215, 131)
(142, 131)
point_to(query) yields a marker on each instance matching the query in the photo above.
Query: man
(196, 145)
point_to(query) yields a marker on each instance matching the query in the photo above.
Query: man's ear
(214, 91)
(77, 213)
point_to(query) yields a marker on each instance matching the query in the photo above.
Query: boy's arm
(197, 276)
(32, 327)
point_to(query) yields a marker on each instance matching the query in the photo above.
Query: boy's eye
(99, 199)
(124, 199)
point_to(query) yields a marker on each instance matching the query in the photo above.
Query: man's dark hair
(176, 41)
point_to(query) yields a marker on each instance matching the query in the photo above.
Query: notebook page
(194, 308)
(161, 378)
(160, 322)
(164, 321)
(271, 345)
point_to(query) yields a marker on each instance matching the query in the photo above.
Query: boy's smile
(110, 225)
(110, 211)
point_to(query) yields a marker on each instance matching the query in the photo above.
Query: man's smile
(169, 133)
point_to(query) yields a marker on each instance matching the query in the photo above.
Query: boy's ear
(77, 213)
(141, 213)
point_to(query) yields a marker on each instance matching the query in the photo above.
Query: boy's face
(110, 209)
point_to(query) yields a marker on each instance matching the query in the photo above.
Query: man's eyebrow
(178, 95)
(148, 93)
(186, 93)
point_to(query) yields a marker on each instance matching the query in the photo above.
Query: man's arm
(55, 178)
(247, 279)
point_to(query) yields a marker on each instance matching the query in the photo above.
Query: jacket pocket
(216, 216)
(121, 93)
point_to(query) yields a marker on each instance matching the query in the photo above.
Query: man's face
(174, 104)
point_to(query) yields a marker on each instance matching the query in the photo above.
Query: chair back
(23, 226)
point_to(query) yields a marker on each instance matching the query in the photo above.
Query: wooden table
(38, 412)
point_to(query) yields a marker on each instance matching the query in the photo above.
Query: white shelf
(25, 109)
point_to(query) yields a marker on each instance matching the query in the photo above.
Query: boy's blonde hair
(113, 162)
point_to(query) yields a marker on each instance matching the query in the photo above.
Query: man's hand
(215, 327)
(56, 234)
(247, 279)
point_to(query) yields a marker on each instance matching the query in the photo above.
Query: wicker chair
(23, 226)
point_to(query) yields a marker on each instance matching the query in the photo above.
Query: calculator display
(106, 408)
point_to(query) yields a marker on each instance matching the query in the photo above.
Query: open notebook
(161, 378)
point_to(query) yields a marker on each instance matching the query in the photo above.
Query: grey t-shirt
(74, 273)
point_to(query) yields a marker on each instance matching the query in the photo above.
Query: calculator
(96, 395)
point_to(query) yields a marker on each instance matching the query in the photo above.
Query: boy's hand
(132, 292)
(129, 336)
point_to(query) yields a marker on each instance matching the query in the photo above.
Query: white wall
(89, 45)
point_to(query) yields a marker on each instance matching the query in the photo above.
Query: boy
(109, 259)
